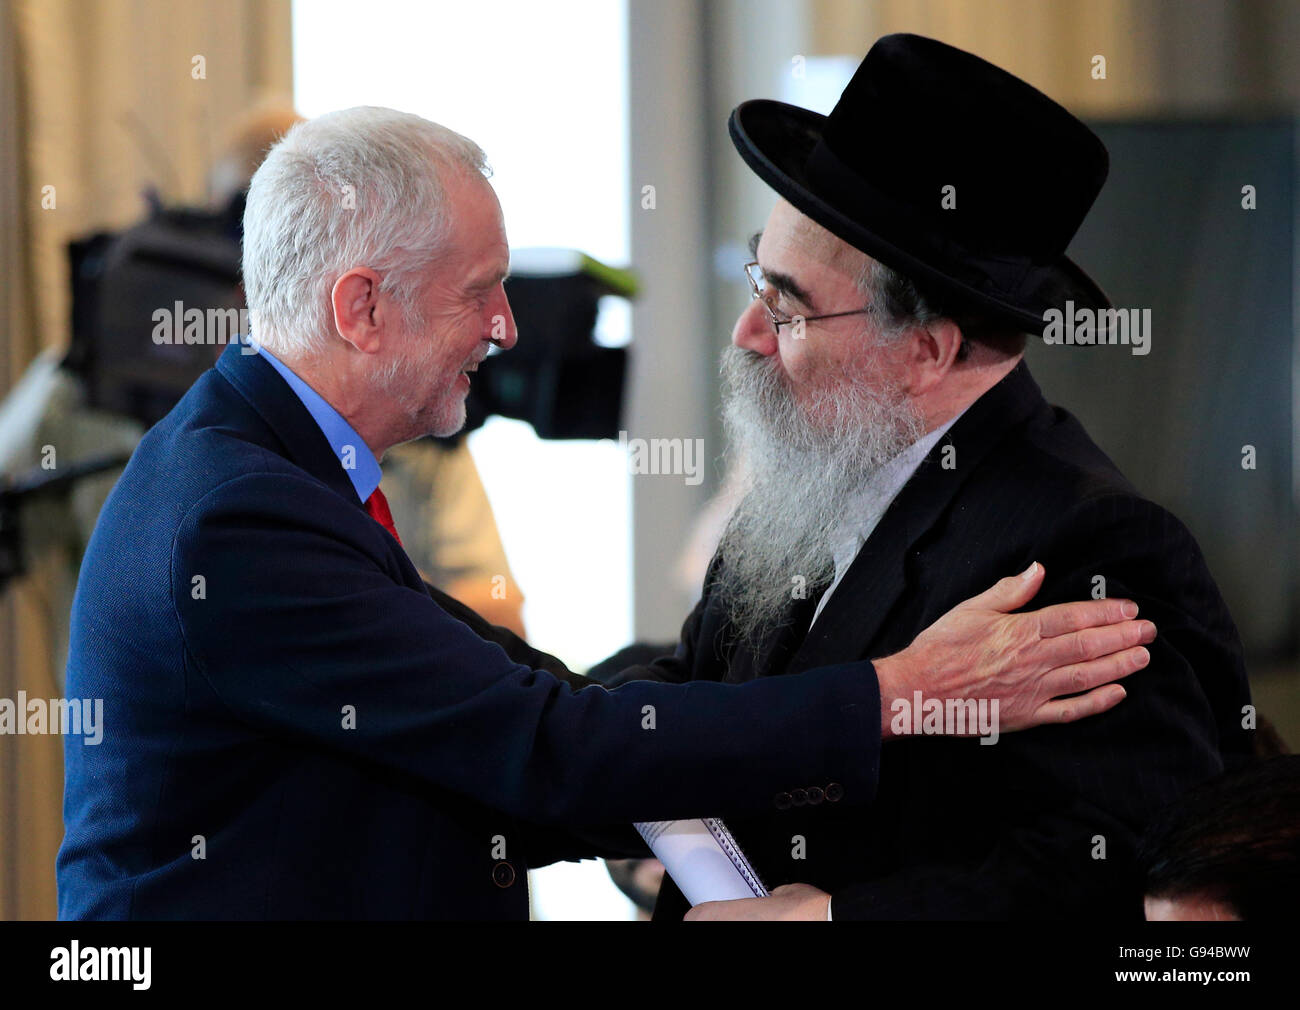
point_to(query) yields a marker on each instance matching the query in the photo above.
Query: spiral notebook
(703, 859)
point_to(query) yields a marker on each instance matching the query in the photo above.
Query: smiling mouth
(473, 364)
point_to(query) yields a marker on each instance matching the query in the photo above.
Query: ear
(360, 309)
(931, 351)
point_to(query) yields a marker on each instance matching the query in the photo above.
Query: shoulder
(1051, 460)
(1046, 474)
(1046, 488)
(212, 455)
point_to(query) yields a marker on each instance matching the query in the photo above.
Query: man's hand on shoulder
(1023, 662)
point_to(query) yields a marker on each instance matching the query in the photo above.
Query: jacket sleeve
(511, 644)
(615, 841)
(306, 630)
(543, 844)
(1086, 789)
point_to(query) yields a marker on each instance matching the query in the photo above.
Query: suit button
(782, 801)
(815, 795)
(834, 792)
(503, 874)
(799, 797)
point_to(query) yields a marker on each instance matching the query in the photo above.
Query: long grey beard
(800, 478)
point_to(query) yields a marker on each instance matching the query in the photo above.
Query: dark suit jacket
(1017, 829)
(296, 727)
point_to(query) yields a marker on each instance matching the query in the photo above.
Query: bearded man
(898, 453)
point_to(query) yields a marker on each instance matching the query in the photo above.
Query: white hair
(361, 187)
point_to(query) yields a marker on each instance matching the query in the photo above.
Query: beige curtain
(98, 100)
(1162, 56)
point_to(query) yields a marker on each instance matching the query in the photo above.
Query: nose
(500, 321)
(754, 330)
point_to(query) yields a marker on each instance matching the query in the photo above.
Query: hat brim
(775, 139)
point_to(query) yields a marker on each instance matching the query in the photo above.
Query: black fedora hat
(917, 117)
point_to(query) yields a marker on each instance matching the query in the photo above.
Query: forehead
(791, 238)
(477, 222)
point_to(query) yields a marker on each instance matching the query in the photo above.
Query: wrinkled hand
(788, 903)
(979, 649)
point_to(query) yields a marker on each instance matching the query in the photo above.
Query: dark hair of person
(1234, 840)
(906, 301)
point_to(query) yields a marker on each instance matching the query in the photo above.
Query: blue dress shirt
(350, 449)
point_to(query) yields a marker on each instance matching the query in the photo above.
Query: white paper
(703, 859)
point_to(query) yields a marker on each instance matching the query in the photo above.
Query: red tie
(377, 506)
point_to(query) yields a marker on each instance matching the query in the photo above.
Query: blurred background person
(1228, 849)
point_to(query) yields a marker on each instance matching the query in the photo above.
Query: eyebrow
(783, 282)
(491, 280)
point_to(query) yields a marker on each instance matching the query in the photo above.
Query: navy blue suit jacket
(296, 726)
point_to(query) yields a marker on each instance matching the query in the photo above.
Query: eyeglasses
(758, 285)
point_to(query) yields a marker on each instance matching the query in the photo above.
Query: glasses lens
(758, 289)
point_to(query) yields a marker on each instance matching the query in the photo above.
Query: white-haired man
(295, 725)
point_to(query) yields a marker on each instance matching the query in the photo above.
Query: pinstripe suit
(1044, 823)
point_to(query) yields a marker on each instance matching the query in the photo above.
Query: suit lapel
(300, 436)
(876, 580)
(778, 645)
(304, 443)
